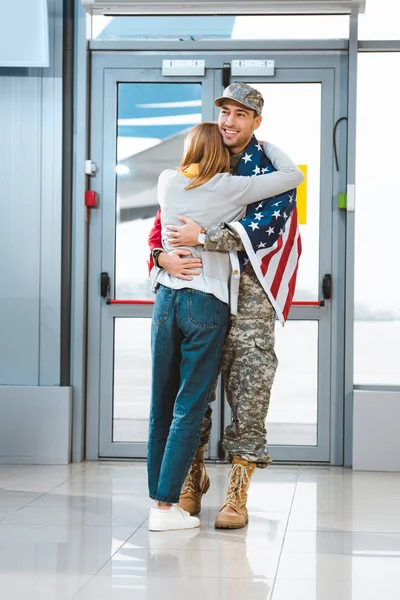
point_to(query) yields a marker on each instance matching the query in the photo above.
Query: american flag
(271, 236)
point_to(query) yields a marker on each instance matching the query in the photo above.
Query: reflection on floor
(314, 534)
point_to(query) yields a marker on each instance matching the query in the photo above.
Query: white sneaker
(173, 518)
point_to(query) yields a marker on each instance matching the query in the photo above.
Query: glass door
(139, 118)
(299, 117)
(152, 120)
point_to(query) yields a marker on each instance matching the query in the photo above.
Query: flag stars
(247, 158)
(259, 148)
(258, 216)
(265, 170)
(246, 261)
(270, 230)
(254, 226)
(261, 245)
(291, 198)
(261, 205)
(256, 171)
(277, 214)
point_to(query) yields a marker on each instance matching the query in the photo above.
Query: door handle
(104, 284)
(226, 74)
(327, 286)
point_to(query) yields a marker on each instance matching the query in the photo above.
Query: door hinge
(90, 168)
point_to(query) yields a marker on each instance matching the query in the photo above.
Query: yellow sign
(301, 199)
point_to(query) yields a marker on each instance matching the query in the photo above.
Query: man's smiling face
(237, 124)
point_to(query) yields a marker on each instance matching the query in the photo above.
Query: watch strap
(155, 254)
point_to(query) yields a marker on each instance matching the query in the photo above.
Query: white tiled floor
(314, 534)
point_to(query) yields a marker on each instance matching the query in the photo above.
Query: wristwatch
(156, 253)
(201, 238)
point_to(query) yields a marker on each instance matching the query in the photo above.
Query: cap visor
(218, 101)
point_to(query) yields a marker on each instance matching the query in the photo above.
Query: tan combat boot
(233, 515)
(196, 484)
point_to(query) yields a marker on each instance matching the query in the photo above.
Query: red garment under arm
(155, 233)
(155, 238)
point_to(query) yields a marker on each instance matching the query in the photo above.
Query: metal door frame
(321, 452)
(102, 247)
(329, 68)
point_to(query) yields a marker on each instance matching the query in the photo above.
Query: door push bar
(105, 284)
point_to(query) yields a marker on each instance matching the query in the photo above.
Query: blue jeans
(187, 336)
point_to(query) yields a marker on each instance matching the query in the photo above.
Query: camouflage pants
(248, 366)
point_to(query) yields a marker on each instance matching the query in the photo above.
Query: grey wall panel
(20, 214)
(376, 432)
(35, 425)
(30, 217)
(51, 167)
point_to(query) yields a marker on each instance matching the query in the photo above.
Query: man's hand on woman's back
(184, 235)
(180, 263)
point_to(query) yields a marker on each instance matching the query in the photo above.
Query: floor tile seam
(58, 523)
(212, 551)
(5, 517)
(74, 475)
(132, 534)
(107, 561)
(283, 532)
(284, 537)
(346, 515)
(37, 525)
(336, 580)
(55, 487)
(11, 514)
(342, 554)
(331, 580)
(342, 499)
(180, 577)
(395, 533)
(349, 531)
(297, 513)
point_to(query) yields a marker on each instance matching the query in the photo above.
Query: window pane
(296, 27)
(294, 122)
(381, 20)
(377, 283)
(221, 27)
(292, 416)
(293, 412)
(132, 380)
(162, 28)
(153, 119)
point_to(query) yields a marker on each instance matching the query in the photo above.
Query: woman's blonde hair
(204, 146)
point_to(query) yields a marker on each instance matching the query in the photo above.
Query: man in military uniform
(248, 362)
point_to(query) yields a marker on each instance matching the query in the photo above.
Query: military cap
(243, 94)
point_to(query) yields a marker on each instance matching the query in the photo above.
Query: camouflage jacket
(253, 302)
